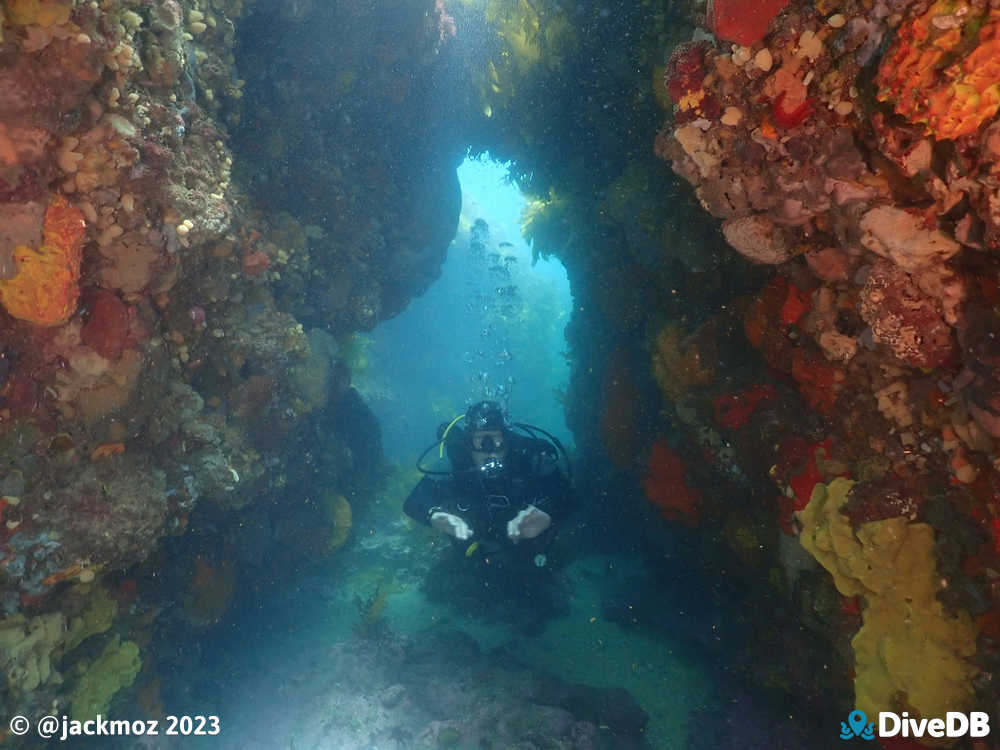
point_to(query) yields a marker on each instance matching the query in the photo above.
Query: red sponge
(742, 21)
(107, 327)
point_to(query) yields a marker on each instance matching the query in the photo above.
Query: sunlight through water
(490, 327)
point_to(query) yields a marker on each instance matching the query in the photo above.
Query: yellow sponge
(909, 654)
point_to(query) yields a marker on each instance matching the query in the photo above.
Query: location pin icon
(857, 720)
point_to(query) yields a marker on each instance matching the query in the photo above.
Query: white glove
(528, 524)
(451, 525)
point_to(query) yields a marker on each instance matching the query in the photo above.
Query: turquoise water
(425, 365)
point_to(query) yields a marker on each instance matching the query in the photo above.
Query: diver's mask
(487, 442)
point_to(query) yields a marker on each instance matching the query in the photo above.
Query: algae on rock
(115, 668)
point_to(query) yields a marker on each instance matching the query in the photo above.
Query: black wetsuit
(531, 476)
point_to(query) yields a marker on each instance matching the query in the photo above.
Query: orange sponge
(946, 78)
(46, 288)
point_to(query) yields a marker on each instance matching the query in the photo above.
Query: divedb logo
(857, 726)
(954, 724)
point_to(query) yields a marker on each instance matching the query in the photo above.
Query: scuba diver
(504, 488)
(502, 502)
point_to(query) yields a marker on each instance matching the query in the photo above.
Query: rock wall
(852, 149)
(169, 329)
(811, 301)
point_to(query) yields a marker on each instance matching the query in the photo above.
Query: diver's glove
(450, 524)
(528, 524)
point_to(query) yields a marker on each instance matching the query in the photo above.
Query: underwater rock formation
(869, 199)
(362, 129)
(153, 358)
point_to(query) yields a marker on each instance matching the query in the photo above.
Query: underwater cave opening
(491, 326)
